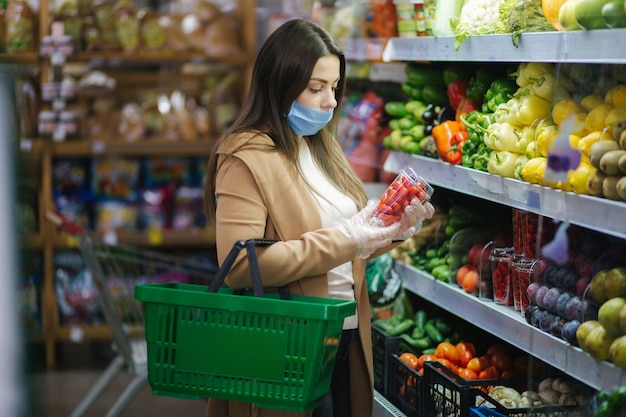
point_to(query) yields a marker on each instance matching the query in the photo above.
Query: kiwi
(609, 162)
(620, 187)
(609, 187)
(621, 164)
(594, 183)
(619, 128)
(598, 149)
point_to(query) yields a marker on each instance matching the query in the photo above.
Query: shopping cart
(115, 270)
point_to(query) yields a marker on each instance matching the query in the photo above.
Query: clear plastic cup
(406, 186)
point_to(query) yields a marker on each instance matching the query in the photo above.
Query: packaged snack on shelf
(399, 194)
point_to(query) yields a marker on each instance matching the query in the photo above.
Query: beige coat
(258, 196)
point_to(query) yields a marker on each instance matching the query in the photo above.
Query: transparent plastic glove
(367, 237)
(412, 218)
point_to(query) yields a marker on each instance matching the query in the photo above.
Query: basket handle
(255, 274)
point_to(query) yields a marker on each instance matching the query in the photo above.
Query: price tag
(26, 145)
(77, 334)
(110, 238)
(155, 236)
(72, 241)
(98, 146)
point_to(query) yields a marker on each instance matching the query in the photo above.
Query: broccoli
(504, 9)
(526, 16)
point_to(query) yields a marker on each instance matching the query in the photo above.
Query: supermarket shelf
(78, 333)
(510, 326)
(383, 408)
(193, 238)
(121, 59)
(140, 148)
(22, 58)
(575, 46)
(600, 214)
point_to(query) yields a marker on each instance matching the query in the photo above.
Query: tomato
(462, 271)
(445, 362)
(448, 351)
(496, 347)
(474, 253)
(502, 361)
(477, 364)
(489, 372)
(425, 358)
(467, 374)
(410, 359)
(462, 346)
(464, 357)
(471, 281)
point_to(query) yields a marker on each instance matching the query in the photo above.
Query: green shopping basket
(208, 342)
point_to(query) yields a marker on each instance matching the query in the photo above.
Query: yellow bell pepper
(531, 109)
(502, 163)
(528, 70)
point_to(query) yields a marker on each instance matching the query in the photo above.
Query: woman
(278, 173)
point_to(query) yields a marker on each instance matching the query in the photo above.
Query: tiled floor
(56, 393)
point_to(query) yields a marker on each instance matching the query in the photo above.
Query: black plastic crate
(405, 387)
(383, 346)
(448, 395)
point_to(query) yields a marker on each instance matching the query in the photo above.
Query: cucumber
(433, 333)
(420, 319)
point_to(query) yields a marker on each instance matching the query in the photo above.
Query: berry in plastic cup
(402, 190)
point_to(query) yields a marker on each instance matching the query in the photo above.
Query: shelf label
(72, 241)
(26, 145)
(155, 236)
(77, 334)
(98, 146)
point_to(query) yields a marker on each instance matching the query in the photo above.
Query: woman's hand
(366, 236)
(412, 218)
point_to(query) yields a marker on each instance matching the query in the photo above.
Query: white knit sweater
(333, 206)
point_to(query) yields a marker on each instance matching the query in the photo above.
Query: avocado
(588, 14)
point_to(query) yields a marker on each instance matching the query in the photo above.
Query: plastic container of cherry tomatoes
(402, 190)
(501, 263)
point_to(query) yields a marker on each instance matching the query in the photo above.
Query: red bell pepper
(454, 153)
(456, 92)
(465, 106)
(449, 137)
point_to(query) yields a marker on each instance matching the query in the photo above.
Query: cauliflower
(477, 17)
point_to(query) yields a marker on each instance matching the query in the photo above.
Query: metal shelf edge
(508, 325)
(581, 46)
(600, 214)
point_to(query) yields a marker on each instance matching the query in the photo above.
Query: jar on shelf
(501, 260)
(521, 274)
(20, 27)
(126, 26)
(531, 232)
(405, 12)
(420, 17)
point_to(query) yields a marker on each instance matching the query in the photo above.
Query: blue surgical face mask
(307, 121)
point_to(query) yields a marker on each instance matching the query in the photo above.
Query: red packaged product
(406, 186)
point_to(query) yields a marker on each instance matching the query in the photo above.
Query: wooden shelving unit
(42, 152)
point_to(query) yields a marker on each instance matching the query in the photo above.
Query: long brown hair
(281, 72)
